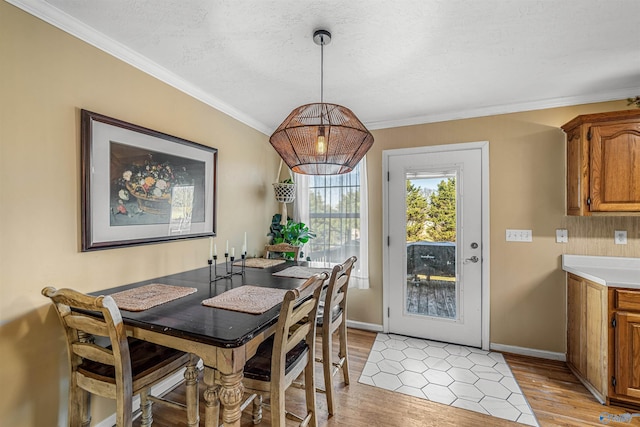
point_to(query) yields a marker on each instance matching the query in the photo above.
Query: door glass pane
(431, 244)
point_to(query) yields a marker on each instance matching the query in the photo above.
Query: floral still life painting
(149, 188)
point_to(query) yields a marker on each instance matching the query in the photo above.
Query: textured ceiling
(391, 62)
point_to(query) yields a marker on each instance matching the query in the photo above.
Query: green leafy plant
(294, 233)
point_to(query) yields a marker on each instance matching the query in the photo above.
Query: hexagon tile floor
(464, 377)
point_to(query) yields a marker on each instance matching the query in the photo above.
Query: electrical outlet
(562, 236)
(519, 236)
(620, 237)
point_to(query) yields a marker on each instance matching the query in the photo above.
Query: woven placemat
(300, 272)
(260, 262)
(147, 296)
(247, 299)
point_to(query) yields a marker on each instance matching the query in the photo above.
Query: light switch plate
(519, 236)
(562, 236)
(620, 237)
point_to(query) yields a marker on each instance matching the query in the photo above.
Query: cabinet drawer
(627, 300)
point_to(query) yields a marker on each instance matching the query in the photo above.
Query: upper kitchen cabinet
(603, 163)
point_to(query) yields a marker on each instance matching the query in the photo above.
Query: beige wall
(46, 76)
(527, 175)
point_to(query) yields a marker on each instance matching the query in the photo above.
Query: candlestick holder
(228, 268)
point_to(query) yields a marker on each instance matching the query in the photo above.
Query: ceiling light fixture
(321, 139)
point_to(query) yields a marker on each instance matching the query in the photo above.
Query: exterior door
(434, 258)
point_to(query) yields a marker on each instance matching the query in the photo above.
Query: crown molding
(505, 109)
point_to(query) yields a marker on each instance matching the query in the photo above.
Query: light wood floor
(555, 395)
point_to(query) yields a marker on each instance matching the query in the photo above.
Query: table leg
(212, 404)
(231, 393)
(191, 382)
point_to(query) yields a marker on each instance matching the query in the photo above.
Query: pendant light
(321, 138)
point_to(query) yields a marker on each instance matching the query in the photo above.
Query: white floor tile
(451, 374)
(437, 377)
(471, 406)
(414, 365)
(500, 408)
(466, 391)
(415, 353)
(439, 393)
(386, 381)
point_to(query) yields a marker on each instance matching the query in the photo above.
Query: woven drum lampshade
(343, 139)
(321, 138)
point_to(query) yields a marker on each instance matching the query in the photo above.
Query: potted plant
(294, 233)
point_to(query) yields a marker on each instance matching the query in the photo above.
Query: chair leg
(257, 409)
(310, 390)
(79, 406)
(327, 367)
(278, 412)
(191, 385)
(145, 405)
(344, 351)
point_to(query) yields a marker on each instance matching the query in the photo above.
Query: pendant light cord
(321, 69)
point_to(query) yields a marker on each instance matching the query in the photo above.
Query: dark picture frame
(141, 186)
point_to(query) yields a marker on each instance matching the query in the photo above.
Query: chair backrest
(82, 327)
(296, 322)
(335, 300)
(282, 248)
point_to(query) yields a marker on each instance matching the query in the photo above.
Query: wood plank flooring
(554, 393)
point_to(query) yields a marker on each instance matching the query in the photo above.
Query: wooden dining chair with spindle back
(332, 318)
(103, 361)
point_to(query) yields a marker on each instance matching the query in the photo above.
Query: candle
(227, 251)
(233, 252)
(210, 247)
(215, 250)
(244, 247)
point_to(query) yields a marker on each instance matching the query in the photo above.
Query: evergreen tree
(417, 208)
(442, 212)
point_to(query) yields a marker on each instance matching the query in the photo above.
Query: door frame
(483, 146)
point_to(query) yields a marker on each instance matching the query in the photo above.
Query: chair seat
(146, 358)
(259, 366)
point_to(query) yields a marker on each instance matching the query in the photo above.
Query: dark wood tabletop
(187, 318)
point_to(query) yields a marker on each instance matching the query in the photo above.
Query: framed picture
(140, 186)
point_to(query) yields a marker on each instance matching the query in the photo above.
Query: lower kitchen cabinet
(603, 339)
(587, 349)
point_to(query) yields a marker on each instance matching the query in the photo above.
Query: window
(335, 208)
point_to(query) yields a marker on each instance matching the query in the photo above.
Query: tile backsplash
(595, 235)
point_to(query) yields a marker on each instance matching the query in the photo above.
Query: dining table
(223, 339)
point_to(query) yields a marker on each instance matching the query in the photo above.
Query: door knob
(473, 259)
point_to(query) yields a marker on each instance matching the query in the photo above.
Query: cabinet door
(577, 172)
(615, 167)
(596, 336)
(628, 354)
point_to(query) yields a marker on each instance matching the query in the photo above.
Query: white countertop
(608, 271)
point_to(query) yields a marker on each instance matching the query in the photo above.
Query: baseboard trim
(364, 326)
(543, 354)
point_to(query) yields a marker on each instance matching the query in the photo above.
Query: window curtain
(360, 272)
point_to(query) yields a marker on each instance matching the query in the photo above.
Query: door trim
(486, 265)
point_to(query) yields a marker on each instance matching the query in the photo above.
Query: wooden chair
(286, 354)
(121, 368)
(332, 317)
(281, 249)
